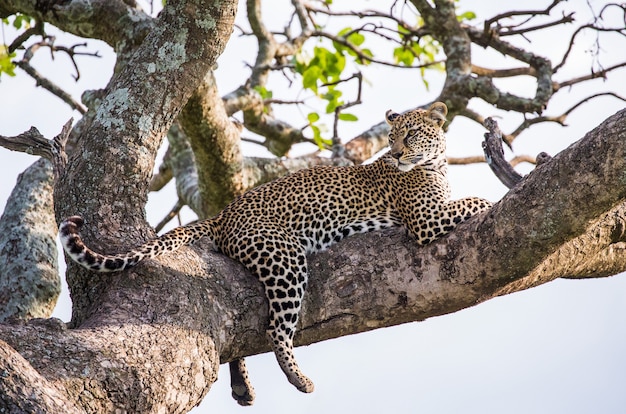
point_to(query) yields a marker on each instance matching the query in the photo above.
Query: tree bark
(29, 274)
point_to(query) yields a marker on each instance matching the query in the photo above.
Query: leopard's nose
(396, 154)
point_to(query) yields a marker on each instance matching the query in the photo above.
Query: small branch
(489, 22)
(164, 175)
(576, 33)
(365, 57)
(593, 75)
(37, 29)
(479, 159)
(503, 73)
(494, 155)
(541, 70)
(338, 148)
(559, 119)
(565, 19)
(51, 87)
(172, 213)
(32, 142)
(474, 159)
(518, 159)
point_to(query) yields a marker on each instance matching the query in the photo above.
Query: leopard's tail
(169, 242)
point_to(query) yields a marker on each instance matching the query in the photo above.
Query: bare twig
(51, 86)
(338, 148)
(592, 26)
(559, 119)
(494, 155)
(37, 29)
(569, 18)
(514, 13)
(32, 142)
(172, 213)
(593, 75)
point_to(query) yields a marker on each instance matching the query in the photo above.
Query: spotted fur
(272, 228)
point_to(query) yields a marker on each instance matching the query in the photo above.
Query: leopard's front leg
(443, 218)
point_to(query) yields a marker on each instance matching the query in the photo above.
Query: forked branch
(32, 142)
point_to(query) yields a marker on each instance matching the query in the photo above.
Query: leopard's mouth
(404, 166)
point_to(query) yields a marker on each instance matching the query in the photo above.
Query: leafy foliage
(6, 65)
(18, 21)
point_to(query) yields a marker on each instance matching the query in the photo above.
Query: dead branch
(591, 26)
(569, 18)
(559, 119)
(174, 211)
(51, 86)
(514, 13)
(593, 75)
(494, 155)
(32, 142)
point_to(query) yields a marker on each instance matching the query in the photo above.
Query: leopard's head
(416, 137)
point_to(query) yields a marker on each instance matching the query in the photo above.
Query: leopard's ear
(437, 112)
(391, 116)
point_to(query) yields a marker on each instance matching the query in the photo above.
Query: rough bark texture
(141, 104)
(215, 142)
(29, 274)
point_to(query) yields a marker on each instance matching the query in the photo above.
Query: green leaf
(313, 117)
(6, 65)
(403, 55)
(22, 20)
(332, 96)
(262, 90)
(310, 77)
(343, 31)
(468, 15)
(348, 117)
(356, 39)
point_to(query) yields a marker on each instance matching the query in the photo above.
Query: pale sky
(558, 348)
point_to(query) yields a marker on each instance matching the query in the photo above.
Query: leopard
(272, 228)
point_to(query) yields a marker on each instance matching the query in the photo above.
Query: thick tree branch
(29, 274)
(124, 26)
(183, 166)
(140, 106)
(20, 379)
(215, 142)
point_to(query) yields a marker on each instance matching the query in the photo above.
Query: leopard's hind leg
(242, 390)
(281, 266)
